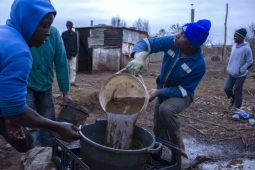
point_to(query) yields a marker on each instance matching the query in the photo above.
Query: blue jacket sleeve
(154, 45)
(186, 87)
(13, 84)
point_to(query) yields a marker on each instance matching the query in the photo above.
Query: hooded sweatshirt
(15, 56)
(240, 60)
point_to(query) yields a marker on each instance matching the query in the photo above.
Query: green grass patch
(208, 78)
(249, 76)
(152, 71)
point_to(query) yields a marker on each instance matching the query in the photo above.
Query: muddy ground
(231, 143)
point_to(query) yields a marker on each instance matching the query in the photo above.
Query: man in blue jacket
(240, 60)
(183, 67)
(28, 26)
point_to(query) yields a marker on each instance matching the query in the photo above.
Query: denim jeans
(237, 93)
(43, 104)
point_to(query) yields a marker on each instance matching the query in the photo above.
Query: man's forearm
(29, 118)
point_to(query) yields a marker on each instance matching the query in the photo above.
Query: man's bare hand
(68, 131)
(66, 98)
(13, 130)
(153, 94)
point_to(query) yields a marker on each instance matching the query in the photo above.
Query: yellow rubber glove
(137, 65)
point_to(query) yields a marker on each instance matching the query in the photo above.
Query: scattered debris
(202, 100)
(214, 113)
(203, 121)
(242, 114)
(243, 140)
(235, 117)
(56, 95)
(199, 131)
(251, 121)
(92, 83)
(198, 160)
(7, 145)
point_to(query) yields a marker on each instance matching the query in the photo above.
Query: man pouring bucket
(182, 69)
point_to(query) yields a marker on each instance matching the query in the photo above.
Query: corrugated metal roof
(97, 36)
(112, 28)
(113, 37)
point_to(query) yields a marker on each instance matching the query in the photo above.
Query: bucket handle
(141, 78)
(158, 146)
(138, 74)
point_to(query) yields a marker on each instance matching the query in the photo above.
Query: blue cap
(197, 32)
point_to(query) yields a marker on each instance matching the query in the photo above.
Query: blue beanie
(197, 32)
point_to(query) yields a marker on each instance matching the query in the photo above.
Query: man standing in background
(41, 77)
(238, 65)
(70, 40)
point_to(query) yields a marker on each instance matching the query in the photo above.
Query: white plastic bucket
(123, 85)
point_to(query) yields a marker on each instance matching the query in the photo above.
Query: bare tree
(175, 29)
(250, 38)
(115, 20)
(142, 25)
(162, 32)
(207, 43)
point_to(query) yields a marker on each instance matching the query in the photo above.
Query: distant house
(105, 48)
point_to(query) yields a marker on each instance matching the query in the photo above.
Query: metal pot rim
(143, 150)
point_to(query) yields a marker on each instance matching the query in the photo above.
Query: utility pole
(224, 51)
(192, 13)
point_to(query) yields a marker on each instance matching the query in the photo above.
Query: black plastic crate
(69, 159)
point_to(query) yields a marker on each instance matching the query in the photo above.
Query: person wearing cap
(182, 69)
(240, 61)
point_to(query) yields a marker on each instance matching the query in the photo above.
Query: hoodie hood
(26, 15)
(243, 44)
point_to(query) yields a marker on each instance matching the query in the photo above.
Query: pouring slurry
(122, 114)
(122, 97)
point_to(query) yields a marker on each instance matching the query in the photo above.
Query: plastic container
(98, 157)
(73, 113)
(123, 85)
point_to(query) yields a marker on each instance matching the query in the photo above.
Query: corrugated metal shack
(104, 48)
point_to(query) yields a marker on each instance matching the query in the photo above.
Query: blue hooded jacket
(179, 76)
(15, 56)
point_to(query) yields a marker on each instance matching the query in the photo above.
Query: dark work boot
(176, 138)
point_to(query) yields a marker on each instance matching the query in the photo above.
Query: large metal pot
(99, 157)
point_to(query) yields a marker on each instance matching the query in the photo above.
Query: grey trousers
(43, 104)
(237, 93)
(166, 120)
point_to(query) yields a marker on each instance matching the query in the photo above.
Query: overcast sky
(160, 13)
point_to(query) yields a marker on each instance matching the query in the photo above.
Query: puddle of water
(242, 164)
(229, 155)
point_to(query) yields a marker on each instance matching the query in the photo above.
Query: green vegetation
(208, 78)
(152, 71)
(249, 75)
